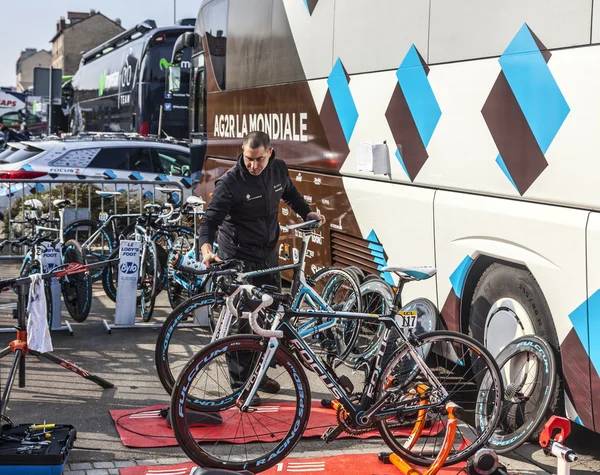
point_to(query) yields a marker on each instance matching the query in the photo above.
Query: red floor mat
(361, 464)
(145, 428)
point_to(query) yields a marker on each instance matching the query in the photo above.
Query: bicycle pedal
(332, 433)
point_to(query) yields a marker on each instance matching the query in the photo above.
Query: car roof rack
(107, 136)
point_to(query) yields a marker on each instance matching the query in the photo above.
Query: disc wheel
(530, 378)
(76, 288)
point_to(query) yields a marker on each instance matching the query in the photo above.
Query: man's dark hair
(256, 140)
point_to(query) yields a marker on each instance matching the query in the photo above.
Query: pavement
(126, 358)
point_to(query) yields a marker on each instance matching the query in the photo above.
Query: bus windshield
(158, 59)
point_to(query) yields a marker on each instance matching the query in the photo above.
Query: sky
(34, 25)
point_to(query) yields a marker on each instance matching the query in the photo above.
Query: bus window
(174, 163)
(157, 60)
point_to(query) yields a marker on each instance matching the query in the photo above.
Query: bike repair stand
(19, 345)
(454, 414)
(553, 435)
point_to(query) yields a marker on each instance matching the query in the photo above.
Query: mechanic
(244, 208)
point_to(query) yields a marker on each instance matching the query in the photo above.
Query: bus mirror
(174, 79)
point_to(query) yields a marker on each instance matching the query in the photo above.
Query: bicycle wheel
(377, 297)
(341, 291)
(181, 336)
(98, 250)
(148, 282)
(256, 439)
(33, 267)
(110, 277)
(529, 365)
(469, 374)
(76, 288)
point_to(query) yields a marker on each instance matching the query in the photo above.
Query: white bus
(455, 133)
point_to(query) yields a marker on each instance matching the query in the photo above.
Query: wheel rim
(506, 321)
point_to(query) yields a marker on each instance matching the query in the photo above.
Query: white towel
(38, 333)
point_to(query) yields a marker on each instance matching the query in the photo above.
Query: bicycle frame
(367, 410)
(300, 288)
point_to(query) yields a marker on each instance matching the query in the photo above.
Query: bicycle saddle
(60, 204)
(106, 194)
(195, 201)
(414, 272)
(33, 204)
(306, 226)
(167, 190)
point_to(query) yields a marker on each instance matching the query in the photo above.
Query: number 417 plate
(407, 320)
(103, 216)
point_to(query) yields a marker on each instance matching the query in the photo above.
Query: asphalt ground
(126, 358)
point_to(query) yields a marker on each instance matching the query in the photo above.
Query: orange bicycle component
(421, 419)
(454, 414)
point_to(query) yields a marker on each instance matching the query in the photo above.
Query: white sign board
(127, 282)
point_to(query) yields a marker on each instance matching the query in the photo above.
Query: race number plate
(407, 320)
(103, 216)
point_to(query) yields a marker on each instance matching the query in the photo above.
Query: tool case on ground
(27, 449)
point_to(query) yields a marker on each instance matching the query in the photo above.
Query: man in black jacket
(245, 205)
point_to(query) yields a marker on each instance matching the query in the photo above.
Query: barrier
(86, 203)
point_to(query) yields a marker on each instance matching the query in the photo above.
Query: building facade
(79, 33)
(29, 60)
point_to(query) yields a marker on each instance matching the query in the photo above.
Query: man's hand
(208, 256)
(318, 216)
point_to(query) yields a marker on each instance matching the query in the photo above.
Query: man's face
(256, 159)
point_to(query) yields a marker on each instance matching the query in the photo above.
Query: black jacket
(247, 207)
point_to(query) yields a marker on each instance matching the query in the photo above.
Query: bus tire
(508, 303)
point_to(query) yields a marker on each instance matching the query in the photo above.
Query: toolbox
(30, 449)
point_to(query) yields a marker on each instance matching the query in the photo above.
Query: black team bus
(120, 85)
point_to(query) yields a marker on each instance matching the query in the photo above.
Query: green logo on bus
(102, 82)
(164, 64)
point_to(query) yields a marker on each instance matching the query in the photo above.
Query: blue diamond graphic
(419, 96)
(534, 87)
(342, 99)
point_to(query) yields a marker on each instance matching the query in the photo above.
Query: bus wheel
(507, 304)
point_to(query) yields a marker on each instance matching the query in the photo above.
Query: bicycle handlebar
(265, 300)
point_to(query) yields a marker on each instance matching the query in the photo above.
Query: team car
(92, 157)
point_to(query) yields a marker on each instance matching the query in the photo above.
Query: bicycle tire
(516, 426)
(377, 297)
(176, 292)
(331, 283)
(444, 346)
(286, 439)
(71, 232)
(172, 332)
(33, 267)
(149, 281)
(77, 288)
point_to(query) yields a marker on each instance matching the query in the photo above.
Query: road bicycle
(100, 239)
(46, 251)
(404, 396)
(182, 285)
(181, 336)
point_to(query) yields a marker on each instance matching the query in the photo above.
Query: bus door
(198, 137)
